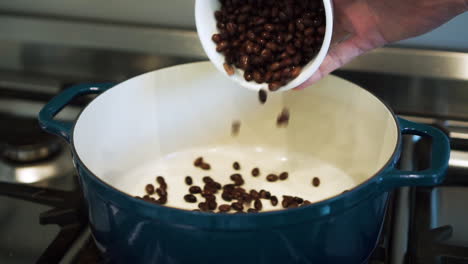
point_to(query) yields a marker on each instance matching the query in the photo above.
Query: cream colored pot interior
(158, 123)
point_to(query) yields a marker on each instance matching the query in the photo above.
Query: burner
(23, 141)
(28, 154)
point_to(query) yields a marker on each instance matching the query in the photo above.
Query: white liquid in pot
(302, 169)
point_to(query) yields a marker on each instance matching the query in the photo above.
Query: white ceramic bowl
(206, 27)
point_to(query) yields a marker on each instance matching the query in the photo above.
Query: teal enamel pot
(160, 122)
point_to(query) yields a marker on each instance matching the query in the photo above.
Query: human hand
(363, 25)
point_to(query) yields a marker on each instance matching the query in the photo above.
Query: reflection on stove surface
(450, 207)
(28, 154)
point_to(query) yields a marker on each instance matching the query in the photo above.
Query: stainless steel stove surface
(43, 217)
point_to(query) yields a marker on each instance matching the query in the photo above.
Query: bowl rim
(218, 59)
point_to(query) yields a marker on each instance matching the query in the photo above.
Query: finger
(339, 55)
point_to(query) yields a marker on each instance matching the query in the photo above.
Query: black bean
(222, 46)
(227, 196)
(283, 176)
(241, 28)
(290, 49)
(208, 190)
(205, 166)
(296, 71)
(258, 77)
(272, 46)
(286, 62)
(244, 62)
(297, 59)
(266, 54)
(237, 206)
(300, 26)
(207, 179)
(188, 180)
(321, 30)
(214, 186)
(309, 41)
(315, 181)
(287, 201)
(265, 35)
(229, 69)
(298, 200)
(276, 77)
(236, 165)
(262, 96)
(161, 192)
(254, 194)
(239, 182)
(162, 200)
(274, 200)
(198, 162)
(274, 86)
(203, 206)
(218, 15)
(291, 27)
(306, 202)
(231, 28)
(283, 118)
(246, 9)
(257, 49)
(160, 180)
(275, 66)
(217, 38)
(224, 208)
(258, 205)
(251, 35)
(190, 198)
(212, 205)
(149, 188)
(209, 196)
(217, 185)
(251, 210)
(309, 31)
(298, 43)
(283, 56)
(268, 76)
(235, 128)
(319, 39)
(264, 194)
(248, 76)
(195, 189)
(229, 187)
(269, 27)
(249, 47)
(317, 21)
(286, 73)
(272, 177)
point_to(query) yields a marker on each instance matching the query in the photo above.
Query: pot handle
(52, 108)
(439, 159)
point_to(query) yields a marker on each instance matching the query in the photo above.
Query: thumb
(338, 55)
